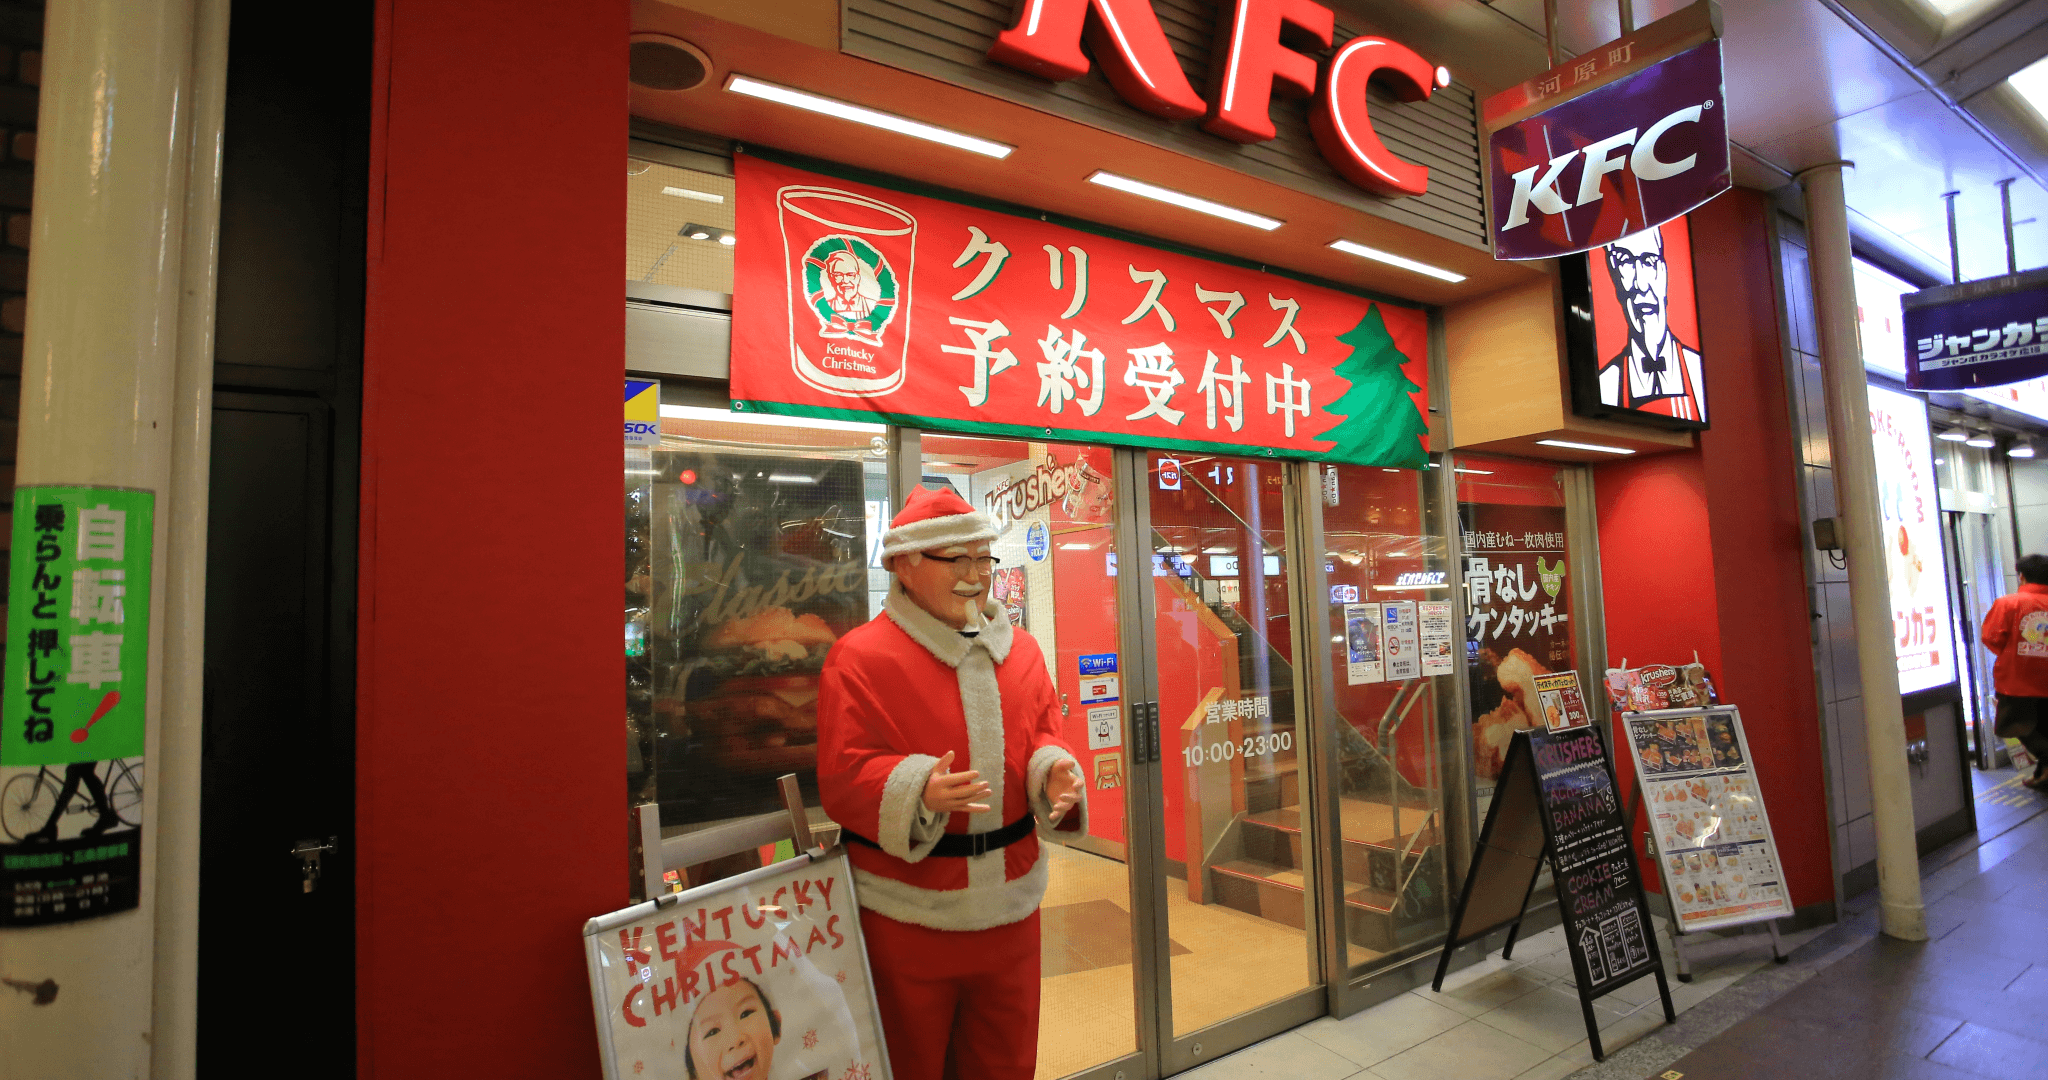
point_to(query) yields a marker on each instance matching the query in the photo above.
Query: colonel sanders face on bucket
(853, 286)
(950, 582)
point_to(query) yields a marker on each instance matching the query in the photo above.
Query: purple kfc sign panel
(1613, 161)
(1979, 333)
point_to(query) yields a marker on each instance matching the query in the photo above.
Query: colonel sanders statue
(949, 865)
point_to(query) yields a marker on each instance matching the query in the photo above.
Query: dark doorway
(279, 751)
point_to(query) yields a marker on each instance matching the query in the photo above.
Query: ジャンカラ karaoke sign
(853, 301)
(1979, 333)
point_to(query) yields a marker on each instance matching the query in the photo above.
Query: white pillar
(102, 404)
(1855, 474)
(176, 766)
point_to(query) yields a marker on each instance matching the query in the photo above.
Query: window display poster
(1362, 644)
(1517, 621)
(1007, 587)
(1912, 540)
(744, 581)
(762, 975)
(1434, 617)
(1562, 704)
(1714, 842)
(1401, 642)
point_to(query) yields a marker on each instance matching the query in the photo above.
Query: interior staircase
(1265, 877)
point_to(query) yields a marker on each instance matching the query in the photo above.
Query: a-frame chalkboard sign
(1556, 797)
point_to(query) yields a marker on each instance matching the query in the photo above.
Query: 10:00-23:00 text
(1249, 746)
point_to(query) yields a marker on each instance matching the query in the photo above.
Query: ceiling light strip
(783, 95)
(1564, 445)
(1350, 248)
(1184, 200)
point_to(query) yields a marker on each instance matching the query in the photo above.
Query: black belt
(964, 845)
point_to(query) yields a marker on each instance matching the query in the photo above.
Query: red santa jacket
(2016, 628)
(896, 694)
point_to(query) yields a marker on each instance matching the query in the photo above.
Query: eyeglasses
(1626, 265)
(982, 563)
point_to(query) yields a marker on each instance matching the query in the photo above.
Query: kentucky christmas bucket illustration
(849, 259)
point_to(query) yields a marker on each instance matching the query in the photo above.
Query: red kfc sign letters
(1126, 38)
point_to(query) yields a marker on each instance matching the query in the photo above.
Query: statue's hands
(1063, 788)
(954, 792)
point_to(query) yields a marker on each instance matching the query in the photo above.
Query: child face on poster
(733, 1034)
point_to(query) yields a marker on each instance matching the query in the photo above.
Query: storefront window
(679, 226)
(1391, 629)
(750, 548)
(1517, 599)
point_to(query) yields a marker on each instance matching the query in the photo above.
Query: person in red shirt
(2017, 630)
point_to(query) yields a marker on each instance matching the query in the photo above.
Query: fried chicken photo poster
(1518, 622)
(759, 977)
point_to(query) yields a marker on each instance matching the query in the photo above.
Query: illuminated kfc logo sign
(1613, 161)
(1139, 63)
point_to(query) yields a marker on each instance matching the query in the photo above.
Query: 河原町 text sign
(856, 301)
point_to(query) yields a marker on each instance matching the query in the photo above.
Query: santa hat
(935, 519)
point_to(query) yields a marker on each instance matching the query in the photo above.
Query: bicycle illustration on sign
(33, 804)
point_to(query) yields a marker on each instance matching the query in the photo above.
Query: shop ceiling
(1915, 99)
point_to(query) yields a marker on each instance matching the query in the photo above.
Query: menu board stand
(1556, 799)
(1709, 832)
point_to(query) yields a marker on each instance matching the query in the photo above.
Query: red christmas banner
(857, 302)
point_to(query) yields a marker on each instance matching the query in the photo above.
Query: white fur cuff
(902, 811)
(933, 533)
(1036, 774)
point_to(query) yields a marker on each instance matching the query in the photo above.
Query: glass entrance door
(1180, 928)
(1235, 874)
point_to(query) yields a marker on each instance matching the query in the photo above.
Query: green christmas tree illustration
(1381, 423)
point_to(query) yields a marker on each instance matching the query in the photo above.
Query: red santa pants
(956, 1004)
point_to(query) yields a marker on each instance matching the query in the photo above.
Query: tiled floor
(1497, 1020)
(1970, 1002)
(1224, 962)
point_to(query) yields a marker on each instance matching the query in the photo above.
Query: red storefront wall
(1702, 549)
(490, 817)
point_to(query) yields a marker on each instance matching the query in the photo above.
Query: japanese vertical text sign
(1979, 333)
(1909, 507)
(857, 302)
(76, 683)
(1614, 160)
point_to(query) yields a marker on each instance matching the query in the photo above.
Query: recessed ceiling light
(1184, 200)
(1953, 435)
(728, 240)
(1443, 77)
(687, 193)
(740, 84)
(1563, 445)
(1391, 259)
